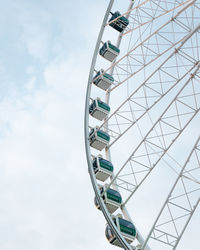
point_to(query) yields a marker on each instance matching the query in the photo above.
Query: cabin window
(95, 164)
(106, 164)
(91, 132)
(103, 135)
(127, 227)
(114, 195)
(103, 105)
(104, 47)
(109, 77)
(113, 47)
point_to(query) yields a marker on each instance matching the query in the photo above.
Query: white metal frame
(86, 130)
(190, 75)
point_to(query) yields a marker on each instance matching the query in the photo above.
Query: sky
(45, 191)
(46, 48)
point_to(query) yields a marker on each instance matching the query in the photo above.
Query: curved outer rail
(107, 150)
(107, 215)
(86, 132)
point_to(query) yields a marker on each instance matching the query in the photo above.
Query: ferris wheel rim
(86, 124)
(102, 205)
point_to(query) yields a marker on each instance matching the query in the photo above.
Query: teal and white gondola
(109, 51)
(120, 23)
(102, 168)
(99, 109)
(126, 228)
(103, 80)
(111, 198)
(99, 139)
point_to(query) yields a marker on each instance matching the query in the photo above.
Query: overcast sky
(46, 196)
(45, 191)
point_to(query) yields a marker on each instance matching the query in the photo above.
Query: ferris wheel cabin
(102, 168)
(99, 109)
(120, 23)
(103, 80)
(111, 197)
(126, 228)
(109, 51)
(99, 139)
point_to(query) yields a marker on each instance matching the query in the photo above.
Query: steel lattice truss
(148, 50)
(177, 115)
(181, 202)
(160, 71)
(174, 46)
(178, 68)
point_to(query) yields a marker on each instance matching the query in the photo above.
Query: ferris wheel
(142, 121)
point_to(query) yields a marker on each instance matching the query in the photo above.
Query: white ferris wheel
(142, 122)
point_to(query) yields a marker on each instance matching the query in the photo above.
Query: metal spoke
(150, 144)
(154, 101)
(161, 231)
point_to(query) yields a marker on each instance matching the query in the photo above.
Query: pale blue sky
(46, 196)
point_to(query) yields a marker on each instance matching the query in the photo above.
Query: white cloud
(30, 69)
(45, 190)
(31, 83)
(36, 41)
(44, 171)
